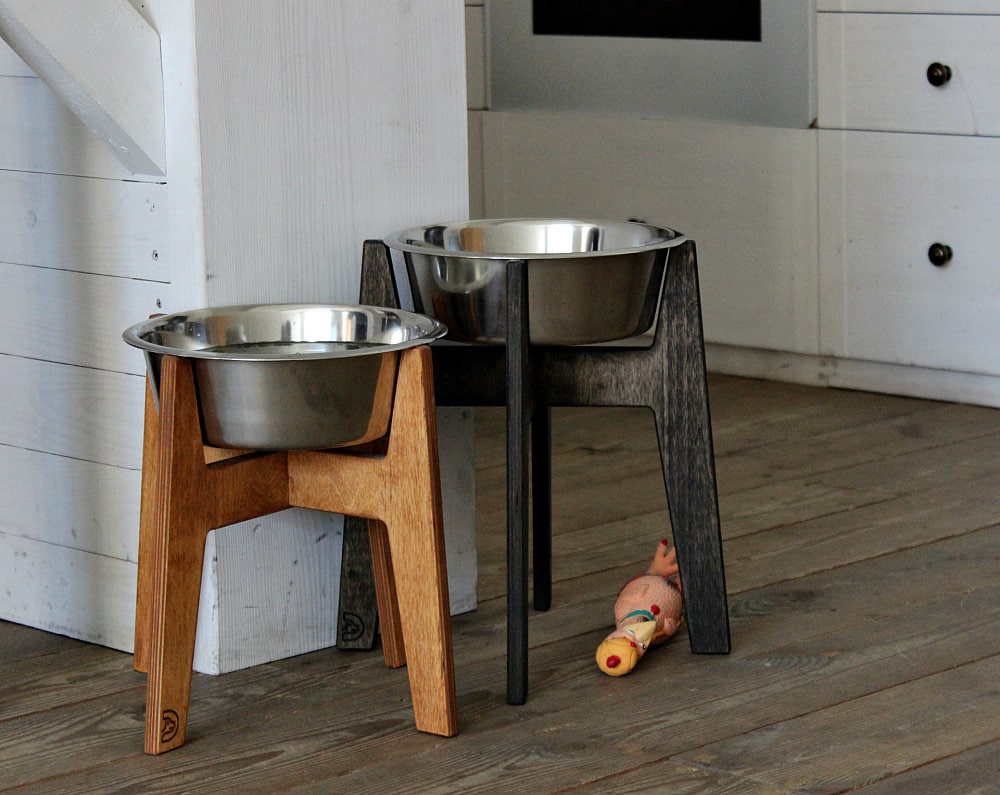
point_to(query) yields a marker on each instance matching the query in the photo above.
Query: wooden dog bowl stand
(189, 489)
(668, 377)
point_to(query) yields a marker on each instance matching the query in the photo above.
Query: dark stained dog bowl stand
(668, 377)
(190, 488)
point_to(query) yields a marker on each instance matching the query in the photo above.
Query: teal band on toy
(644, 613)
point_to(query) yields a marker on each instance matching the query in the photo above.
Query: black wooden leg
(378, 282)
(683, 426)
(541, 507)
(518, 422)
(357, 621)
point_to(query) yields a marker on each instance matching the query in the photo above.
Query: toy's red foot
(647, 612)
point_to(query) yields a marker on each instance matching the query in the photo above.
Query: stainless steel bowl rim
(408, 240)
(430, 329)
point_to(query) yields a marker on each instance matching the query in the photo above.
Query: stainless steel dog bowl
(288, 376)
(588, 281)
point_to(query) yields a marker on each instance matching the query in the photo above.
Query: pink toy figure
(647, 612)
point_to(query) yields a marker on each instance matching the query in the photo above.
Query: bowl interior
(533, 238)
(287, 376)
(588, 281)
(283, 331)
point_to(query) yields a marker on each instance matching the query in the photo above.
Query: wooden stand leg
(402, 492)
(684, 429)
(541, 507)
(174, 562)
(147, 530)
(386, 596)
(519, 410)
(358, 618)
(670, 378)
(187, 498)
(357, 621)
(415, 528)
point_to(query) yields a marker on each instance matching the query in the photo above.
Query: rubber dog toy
(647, 612)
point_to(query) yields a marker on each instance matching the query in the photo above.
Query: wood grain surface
(863, 601)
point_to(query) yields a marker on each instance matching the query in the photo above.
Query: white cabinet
(933, 73)
(909, 186)
(745, 194)
(885, 201)
(814, 242)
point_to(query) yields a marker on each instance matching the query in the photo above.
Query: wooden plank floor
(862, 544)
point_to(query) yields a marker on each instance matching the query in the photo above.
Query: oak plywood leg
(174, 561)
(386, 596)
(400, 490)
(147, 529)
(418, 556)
(187, 498)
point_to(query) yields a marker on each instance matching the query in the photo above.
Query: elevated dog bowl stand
(189, 489)
(668, 377)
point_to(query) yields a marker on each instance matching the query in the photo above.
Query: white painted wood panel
(11, 63)
(67, 591)
(886, 199)
(89, 225)
(103, 59)
(458, 498)
(359, 129)
(912, 6)
(71, 503)
(476, 185)
(39, 133)
(76, 318)
(79, 412)
(746, 195)
(77, 266)
(872, 72)
(91, 597)
(297, 553)
(475, 58)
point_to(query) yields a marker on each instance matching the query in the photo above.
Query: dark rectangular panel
(731, 20)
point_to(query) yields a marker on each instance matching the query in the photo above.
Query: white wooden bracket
(102, 59)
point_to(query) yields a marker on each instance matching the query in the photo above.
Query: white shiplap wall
(287, 144)
(78, 265)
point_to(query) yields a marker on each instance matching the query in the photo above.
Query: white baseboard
(918, 382)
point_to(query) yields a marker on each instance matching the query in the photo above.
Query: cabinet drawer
(873, 72)
(912, 6)
(884, 200)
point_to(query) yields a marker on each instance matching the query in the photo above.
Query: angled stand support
(669, 377)
(189, 489)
